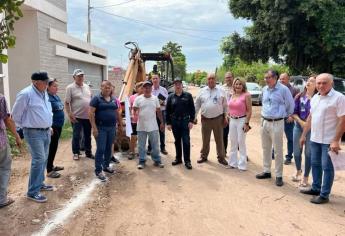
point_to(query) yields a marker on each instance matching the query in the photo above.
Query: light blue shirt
(277, 102)
(32, 109)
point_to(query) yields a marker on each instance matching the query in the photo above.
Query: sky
(197, 25)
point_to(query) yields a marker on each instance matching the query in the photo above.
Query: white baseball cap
(77, 72)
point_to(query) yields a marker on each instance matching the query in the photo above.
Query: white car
(255, 91)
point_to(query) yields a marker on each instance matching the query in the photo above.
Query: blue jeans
(85, 125)
(5, 172)
(153, 138)
(297, 150)
(161, 133)
(322, 168)
(38, 142)
(288, 129)
(181, 135)
(104, 141)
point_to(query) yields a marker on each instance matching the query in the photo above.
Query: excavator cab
(164, 67)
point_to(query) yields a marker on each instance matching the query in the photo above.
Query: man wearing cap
(213, 105)
(180, 114)
(33, 112)
(77, 100)
(147, 108)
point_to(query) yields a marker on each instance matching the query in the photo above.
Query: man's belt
(205, 118)
(270, 120)
(43, 129)
(237, 117)
(180, 117)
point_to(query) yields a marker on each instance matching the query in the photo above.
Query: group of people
(317, 115)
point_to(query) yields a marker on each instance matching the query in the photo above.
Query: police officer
(180, 114)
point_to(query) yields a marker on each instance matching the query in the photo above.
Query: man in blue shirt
(277, 103)
(32, 111)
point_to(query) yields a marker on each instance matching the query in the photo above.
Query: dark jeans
(181, 134)
(54, 143)
(161, 134)
(321, 168)
(226, 137)
(288, 129)
(104, 140)
(86, 126)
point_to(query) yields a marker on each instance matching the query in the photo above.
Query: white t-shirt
(147, 113)
(325, 112)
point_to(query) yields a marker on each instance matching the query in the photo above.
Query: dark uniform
(180, 111)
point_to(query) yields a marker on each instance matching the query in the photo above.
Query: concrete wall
(55, 65)
(25, 57)
(59, 3)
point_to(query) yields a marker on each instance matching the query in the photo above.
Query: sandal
(8, 202)
(53, 174)
(58, 168)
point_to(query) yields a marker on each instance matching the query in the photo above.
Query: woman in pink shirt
(134, 120)
(240, 111)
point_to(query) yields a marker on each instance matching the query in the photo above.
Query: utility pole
(88, 22)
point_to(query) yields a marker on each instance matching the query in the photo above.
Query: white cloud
(169, 20)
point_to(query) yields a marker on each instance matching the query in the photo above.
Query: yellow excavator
(136, 73)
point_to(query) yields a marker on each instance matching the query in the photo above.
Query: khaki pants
(272, 136)
(207, 126)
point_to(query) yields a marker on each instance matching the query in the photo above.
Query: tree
(306, 35)
(179, 58)
(9, 13)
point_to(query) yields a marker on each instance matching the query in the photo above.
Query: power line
(118, 4)
(157, 26)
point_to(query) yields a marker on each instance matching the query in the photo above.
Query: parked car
(298, 81)
(255, 91)
(339, 84)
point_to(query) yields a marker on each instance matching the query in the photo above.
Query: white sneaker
(140, 166)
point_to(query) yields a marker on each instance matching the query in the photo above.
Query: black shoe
(90, 156)
(164, 152)
(279, 181)
(148, 152)
(310, 192)
(263, 175)
(319, 200)
(113, 159)
(188, 166)
(201, 160)
(287, 162)
(109, 170)
(223, 162)
(176, 162)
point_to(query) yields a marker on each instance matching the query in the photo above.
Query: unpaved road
(208, 200)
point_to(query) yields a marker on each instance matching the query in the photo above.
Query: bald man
(213, 105)
(326, 121)
(288, 121)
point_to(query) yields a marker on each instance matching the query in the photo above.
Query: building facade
(42, 44)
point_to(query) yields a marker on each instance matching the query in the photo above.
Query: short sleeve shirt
(325, 112)
(105, 114)
(147, 113)
(79, 98)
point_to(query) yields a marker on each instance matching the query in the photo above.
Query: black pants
(181, 135)
(86, 126)
(226, 137)
(54, 143)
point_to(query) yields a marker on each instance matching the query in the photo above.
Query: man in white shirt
(326, 121)
(147, 108)
(162, 94)
(213, 105)
(227, 87)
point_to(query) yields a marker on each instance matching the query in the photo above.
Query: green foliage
(179, 58)
(15, 151)
(67, 131)
(12, 13)
(199, 77)
(306, 35)
(251, 72)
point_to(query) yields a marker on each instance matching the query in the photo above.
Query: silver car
(255, 91)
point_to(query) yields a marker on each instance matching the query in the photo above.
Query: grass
(67, 131)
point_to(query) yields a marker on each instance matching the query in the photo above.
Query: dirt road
(208, 200)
